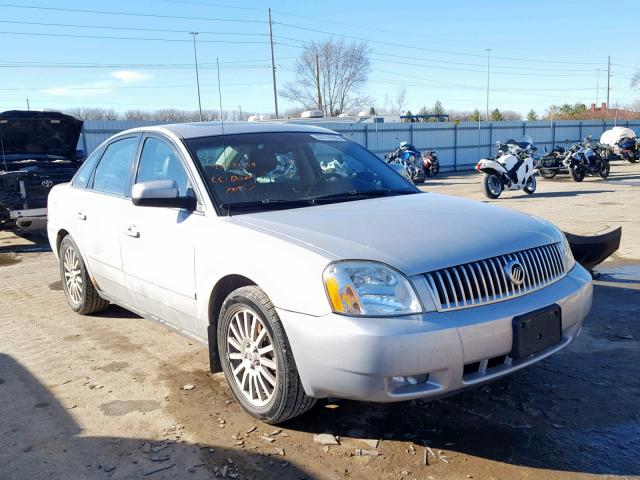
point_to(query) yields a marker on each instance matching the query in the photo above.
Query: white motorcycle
(511, 169)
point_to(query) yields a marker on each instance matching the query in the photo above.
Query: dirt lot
(101, 397)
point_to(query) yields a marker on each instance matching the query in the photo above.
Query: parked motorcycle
(511, 169)
(407, 155)
(550, 164)
(629, 149)
(430, 163)
(584, 159)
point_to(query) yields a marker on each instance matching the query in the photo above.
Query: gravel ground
(103, 397)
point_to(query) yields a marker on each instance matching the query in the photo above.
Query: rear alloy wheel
(82, 296)
(530, 185)
(257, 360)
(577, 173)
(491, 185)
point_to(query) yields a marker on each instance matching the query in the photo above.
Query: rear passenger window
(113, 172)
(82, 176)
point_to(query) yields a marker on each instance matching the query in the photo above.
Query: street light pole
(488, 56)
(195, 58)
(273, 65)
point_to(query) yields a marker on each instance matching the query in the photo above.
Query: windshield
(260, 171)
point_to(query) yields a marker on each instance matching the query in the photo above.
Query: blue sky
(543, 52)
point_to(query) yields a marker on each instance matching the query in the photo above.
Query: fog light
(410, 380)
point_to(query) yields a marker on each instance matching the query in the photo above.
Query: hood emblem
(515, 272)
(47, 183)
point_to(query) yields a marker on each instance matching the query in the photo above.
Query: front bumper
(362, 358)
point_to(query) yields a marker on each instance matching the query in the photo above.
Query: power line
(106, 37)
(134, 87)
(448, 52)
(136, 29)
(130, 14)
(332, 21)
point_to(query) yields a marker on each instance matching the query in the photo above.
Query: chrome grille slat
(552, 267)
(453, 287)
(489, 281)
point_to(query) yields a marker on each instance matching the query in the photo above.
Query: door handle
(81, 215)
(132, 231)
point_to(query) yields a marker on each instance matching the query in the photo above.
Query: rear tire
(577, 173)
(547, 173)
(632, 158)
(82, 296)
(257, 359)
(491, 186)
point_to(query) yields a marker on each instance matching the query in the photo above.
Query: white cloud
(129, 76)
(100, 87)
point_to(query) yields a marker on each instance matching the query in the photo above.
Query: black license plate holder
(536, 331)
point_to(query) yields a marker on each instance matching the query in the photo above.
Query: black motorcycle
(584, 159)
(550, 164)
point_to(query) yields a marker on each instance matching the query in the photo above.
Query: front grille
(486, 281)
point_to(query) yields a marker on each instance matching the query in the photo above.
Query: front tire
(82, 296)
(257, 359)
(604, 170)
(491, 186)
(530, 185)
(547, 173)
(577, 173)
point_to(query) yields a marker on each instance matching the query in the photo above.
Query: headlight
(369, 288)
(567, 256)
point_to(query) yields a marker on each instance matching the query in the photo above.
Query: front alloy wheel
(257, 359)
(251, 357)
(530, 185)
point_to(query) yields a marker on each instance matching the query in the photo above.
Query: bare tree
(329, 76)
(635, 80)
(83, 113)
(400, 102)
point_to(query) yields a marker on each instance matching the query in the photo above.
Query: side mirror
(161, 193)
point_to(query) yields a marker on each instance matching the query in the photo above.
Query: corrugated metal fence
(459, 146)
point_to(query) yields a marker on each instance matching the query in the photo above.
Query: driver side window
(160, 161)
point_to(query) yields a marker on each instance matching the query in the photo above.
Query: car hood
(413, 233)
(39, 133)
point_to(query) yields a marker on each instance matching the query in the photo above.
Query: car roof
(209, 129)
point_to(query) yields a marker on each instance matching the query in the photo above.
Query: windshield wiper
(266, 204)
(357, 195)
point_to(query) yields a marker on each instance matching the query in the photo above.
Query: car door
(100, 211)
(158, 247)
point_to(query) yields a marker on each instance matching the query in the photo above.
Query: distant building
(600, 112)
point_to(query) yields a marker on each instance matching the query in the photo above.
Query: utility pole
(195, 58)
(240, 110)
(28, 107)
(318, 82)
(273, 65)
(606, 111)
(488, 56)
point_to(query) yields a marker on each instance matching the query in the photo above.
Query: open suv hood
(39, 133)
